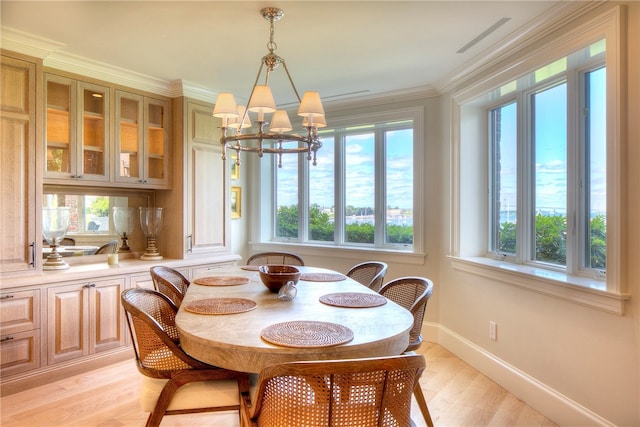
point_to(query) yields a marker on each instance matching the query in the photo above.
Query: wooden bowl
(275, 276)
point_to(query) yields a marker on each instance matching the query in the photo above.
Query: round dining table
(331, 317)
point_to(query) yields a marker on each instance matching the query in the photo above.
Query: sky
(359, 172)
(551, 148)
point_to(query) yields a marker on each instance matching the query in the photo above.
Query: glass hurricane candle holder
(151, 222)
(124, 220)
(55, 223)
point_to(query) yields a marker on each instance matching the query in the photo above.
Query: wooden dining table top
(236, 341)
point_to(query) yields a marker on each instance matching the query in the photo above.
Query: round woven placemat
(306, 333)
(250, 267)
(322, 277)
(221, 281)
(220, 306)
(353, 299)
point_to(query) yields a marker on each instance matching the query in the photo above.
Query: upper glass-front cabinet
(77, 131)
(142, 139)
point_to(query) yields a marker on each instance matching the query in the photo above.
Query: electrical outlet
(493, 330)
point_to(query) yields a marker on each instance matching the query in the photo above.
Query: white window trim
(470, 257)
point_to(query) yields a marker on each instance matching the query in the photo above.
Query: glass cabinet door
(129, 137)
(93, 151)
(142, 139)
(156, 115)
(77, 130)
(60, 139)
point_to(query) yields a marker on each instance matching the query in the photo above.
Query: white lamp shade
(235, 122)
(262, 100)
(225, 107)
(280, 122)
(311, 105)
(317, 122)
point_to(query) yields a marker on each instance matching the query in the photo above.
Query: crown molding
(27, 44)
(551, 20)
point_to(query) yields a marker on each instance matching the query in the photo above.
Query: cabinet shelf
(58, 144)
(94, 148)
(93, 116)
(58, 108)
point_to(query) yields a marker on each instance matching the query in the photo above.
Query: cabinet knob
(6, 339)
(6, 296)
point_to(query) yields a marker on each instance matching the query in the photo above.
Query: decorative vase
(151, 222)
(55, 223)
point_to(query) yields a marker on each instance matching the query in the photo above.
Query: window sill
(579, 290)
(389, 255)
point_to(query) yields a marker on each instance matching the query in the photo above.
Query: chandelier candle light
(276, 141)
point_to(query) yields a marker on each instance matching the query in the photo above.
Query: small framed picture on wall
(235, 168)
(236, 202)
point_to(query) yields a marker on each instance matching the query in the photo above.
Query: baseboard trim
(541, 397)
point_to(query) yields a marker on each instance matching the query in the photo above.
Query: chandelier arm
(284, 65)
(253, 88)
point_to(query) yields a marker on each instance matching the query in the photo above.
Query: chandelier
(235, 118)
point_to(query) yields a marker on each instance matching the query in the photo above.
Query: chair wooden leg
(417, 392)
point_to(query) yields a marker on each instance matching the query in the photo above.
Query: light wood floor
(457, 395)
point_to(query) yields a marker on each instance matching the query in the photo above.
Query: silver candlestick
(124, 220)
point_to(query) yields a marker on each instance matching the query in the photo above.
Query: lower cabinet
(55, 329)
(84, 318)
(142, 281)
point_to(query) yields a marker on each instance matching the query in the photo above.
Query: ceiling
(343, 49)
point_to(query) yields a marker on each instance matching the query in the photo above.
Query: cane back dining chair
(170, 282)
(412, 293)
(173, 382)
(370, 273)
(355, 392)
(285, 258)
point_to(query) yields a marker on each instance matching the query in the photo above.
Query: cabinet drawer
(19, 311)
(200, 271)
(19, 352)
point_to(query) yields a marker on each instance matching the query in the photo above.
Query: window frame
(416, 115)
(577, 171)
(468, 254)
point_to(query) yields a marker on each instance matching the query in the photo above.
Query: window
(532, 136)
(538, 167)
(360, 193)
(89, 213)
